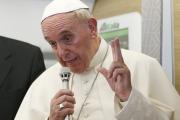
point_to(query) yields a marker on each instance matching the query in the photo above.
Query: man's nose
(61, 50)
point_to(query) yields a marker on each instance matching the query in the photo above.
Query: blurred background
(148, 26)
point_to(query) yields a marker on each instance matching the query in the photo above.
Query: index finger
(116, 50)
(63, 92)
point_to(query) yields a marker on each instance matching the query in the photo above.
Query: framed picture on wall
(127, 27)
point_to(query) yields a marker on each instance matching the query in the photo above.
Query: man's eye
(67, 39)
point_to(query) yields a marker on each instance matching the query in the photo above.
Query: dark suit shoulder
(20, 64)
(16, 46)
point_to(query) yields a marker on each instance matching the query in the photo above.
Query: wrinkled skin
(73, 41)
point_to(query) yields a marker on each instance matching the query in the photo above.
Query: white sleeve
(139, 108)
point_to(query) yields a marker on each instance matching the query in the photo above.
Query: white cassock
(153, 97)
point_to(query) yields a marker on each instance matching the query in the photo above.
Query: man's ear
(92, 24)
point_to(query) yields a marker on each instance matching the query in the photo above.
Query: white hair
(82, 14)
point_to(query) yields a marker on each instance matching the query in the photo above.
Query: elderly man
(105, 84)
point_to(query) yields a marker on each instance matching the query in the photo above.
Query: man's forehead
(57, 29)
(58, 35)
(58, 20)
(58, 16)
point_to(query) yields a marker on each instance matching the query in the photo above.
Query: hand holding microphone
(62, 104)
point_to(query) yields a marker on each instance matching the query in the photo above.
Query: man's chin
(73, 68)
(76, 70)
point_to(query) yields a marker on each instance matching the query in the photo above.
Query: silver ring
(61, 106)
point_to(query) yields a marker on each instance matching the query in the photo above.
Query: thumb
(103, 71)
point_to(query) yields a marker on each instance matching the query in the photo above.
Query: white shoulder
(137, 57)
(50, 74)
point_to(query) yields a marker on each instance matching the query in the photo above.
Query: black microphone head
(65, 73)
(65, 76)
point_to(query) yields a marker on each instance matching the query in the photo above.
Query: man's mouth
(71, 62)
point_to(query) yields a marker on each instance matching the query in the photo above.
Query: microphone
(65, 75)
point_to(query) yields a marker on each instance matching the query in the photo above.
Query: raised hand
(118, 75)
(64, 97)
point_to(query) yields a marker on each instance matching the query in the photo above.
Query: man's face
(73, 41)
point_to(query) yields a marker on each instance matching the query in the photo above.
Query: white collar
(100, 54)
